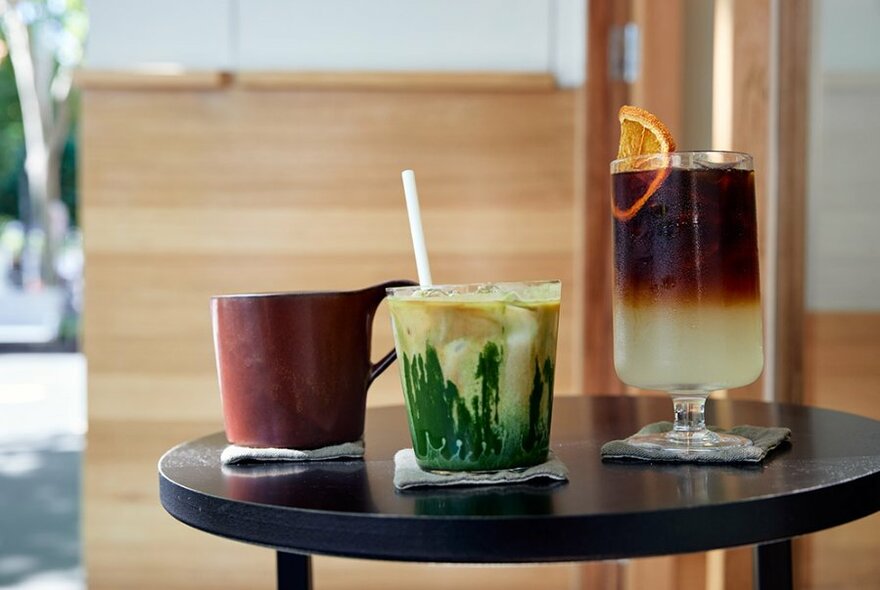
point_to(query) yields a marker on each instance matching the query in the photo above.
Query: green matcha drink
(477, 365)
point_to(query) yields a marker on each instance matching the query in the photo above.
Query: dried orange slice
(642, 133)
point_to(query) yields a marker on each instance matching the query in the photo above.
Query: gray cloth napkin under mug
(234, 454)
(408, 474)
(764, 439)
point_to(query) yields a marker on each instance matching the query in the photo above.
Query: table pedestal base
(773, 566)
(294, 571)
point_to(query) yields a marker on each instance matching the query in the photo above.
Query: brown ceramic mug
(294, 368)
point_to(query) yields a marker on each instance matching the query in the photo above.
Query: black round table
(828, 475)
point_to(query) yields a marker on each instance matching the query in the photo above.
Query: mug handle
(379, 366)
(382, 364)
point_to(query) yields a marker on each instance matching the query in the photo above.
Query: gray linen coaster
(234, 454)
(764, 439)
(408, 474)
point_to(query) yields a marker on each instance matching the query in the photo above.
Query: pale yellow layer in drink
(688, 347)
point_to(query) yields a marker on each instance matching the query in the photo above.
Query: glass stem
(690, 414)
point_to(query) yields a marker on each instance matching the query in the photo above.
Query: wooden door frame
(768, 117)
(762, 71)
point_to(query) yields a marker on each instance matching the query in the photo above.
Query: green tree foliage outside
(11, 140)
(12, 134)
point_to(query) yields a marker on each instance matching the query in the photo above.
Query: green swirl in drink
(477, 370)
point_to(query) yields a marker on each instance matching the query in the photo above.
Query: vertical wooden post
(604, 97)
(795, 26)
(743, 54)
(750, 132)
(793, 120)
(659, 86)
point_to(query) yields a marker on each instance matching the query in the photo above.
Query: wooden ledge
(276, 80)
(151, 80)
(867, 79)
(398, 81)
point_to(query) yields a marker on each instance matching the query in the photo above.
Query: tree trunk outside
(43, 189)
(45, 124)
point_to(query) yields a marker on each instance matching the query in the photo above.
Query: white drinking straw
(415, 227)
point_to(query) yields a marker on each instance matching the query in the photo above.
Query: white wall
(341, 35)
(158, 34)
(843, 252)
(505, 35)
(843, 248)
(850, 34)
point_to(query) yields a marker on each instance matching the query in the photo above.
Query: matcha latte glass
(477, 364)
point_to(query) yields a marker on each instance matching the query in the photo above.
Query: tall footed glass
(687, 306)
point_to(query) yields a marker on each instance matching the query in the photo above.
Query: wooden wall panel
(187, 194)
(841, 351)
(195, 191)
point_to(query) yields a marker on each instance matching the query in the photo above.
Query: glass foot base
(688, 442)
